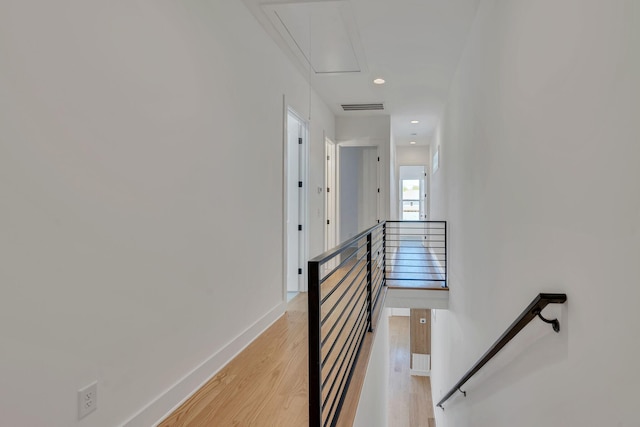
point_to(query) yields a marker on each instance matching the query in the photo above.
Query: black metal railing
(533, 310)
(345, 285)
(416, 253)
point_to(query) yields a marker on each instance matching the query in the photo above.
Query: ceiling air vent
(362, 107)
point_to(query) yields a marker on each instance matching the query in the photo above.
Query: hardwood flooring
(267, 383)
(410, 401)
(412, 261)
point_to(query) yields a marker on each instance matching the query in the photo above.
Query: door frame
(331, 191)
(303, 174)
(424, 191)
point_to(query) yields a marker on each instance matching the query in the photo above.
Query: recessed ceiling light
(412, 142)
(379, 81)
(415, 121)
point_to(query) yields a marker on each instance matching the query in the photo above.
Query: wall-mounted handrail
(533, 310)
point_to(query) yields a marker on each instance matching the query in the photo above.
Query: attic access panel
(320, 34)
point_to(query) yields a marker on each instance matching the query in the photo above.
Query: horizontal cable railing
(345, 285)
(533, 310)
(416, 254)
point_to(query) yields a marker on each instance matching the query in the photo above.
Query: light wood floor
(410, 401)
(267, 384)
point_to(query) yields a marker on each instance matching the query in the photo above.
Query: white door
(295, 203)
(330, 240)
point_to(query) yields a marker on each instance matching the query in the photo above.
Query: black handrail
(534, 309)
(345, 292)
(345, 284)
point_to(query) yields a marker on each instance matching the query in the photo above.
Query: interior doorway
(413, 193)
(295, 201)
(359, 189)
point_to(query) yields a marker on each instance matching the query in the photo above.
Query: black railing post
(384, 254)
(446, 261)
(315, 357)
(369, 287)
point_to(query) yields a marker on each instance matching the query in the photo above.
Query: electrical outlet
(87, 400)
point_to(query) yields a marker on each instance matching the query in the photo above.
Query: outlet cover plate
(87, 400)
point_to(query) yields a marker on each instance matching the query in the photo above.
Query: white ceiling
(413, 44)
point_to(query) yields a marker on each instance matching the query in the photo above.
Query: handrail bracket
(464, 393)
(554, 322)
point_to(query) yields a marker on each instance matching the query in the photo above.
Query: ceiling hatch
(320, 34)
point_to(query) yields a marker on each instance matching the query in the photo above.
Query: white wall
(372, 412)
(412, 156)
(437, 206)
(127, 132)
(393, 192)
(322, 124)
(539, 180)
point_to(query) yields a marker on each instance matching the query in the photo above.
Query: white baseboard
(418, 373)
(163, 405)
